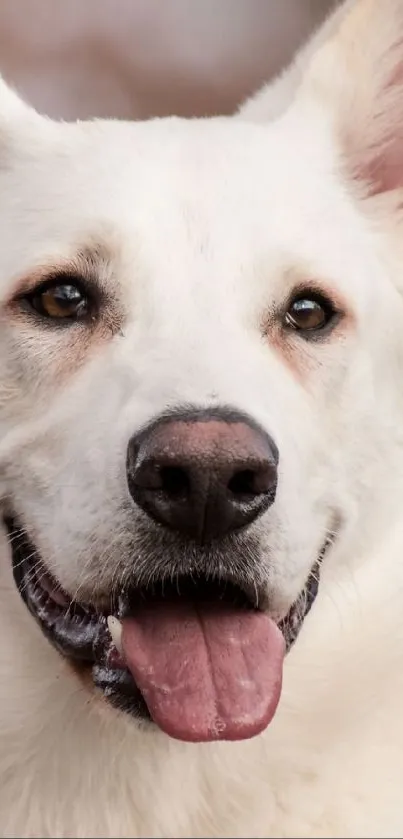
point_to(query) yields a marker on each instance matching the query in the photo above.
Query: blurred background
(141, 58)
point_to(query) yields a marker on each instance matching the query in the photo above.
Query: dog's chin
(81, 631)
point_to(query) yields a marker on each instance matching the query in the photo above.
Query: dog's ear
(356, 77)
(353, 69)
(16, 117)
(275, 98)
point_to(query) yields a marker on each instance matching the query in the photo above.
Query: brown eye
(309, 313)
(60, 301)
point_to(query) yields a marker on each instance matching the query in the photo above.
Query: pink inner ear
(384, 171)
(380, 161)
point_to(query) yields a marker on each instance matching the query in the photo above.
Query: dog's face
(198, 333)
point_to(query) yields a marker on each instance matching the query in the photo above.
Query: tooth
(115, 628)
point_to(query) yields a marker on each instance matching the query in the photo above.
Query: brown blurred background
(139, 58)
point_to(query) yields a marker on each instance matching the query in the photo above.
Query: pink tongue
(206, 672)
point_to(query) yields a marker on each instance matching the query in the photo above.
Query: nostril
(175, 481)
(243, 483)
(251, 482)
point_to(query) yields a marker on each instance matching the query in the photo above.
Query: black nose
(203, 474)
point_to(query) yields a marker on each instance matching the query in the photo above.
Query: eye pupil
(61, 301)
(309, 314)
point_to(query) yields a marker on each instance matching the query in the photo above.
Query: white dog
(201, 343)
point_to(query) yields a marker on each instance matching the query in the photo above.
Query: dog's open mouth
(195, 655)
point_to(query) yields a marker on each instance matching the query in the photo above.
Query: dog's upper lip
(255, 595)
(40, 586)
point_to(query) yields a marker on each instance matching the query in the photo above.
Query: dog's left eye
(60, 301)
(309, 313)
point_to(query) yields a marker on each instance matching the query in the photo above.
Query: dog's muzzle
(195, 650)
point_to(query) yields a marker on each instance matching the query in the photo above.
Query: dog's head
(200, 334)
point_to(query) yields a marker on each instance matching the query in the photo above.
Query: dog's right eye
(61, 300)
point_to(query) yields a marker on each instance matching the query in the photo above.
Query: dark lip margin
(117, 685)
(92, 639)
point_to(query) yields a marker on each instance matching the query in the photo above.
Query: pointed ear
(16, 118)
(356, 75)
(274, 98)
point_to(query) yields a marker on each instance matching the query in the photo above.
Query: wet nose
(201, 473)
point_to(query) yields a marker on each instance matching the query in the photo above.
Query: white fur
(198, 230)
